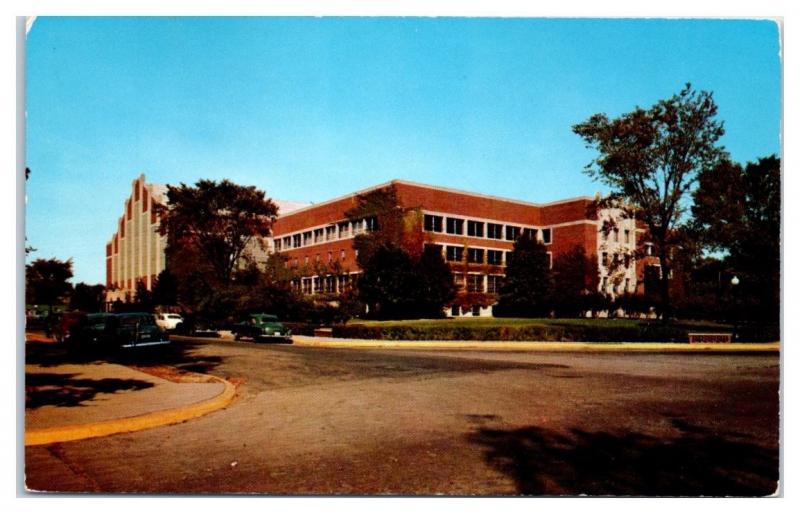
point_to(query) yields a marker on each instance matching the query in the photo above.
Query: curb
(542, 346)
(132, 424)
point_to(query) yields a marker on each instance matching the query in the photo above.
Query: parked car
(91, 332)
(262, 327)
(191, 326)
(168, 321)
(135, 329)
(63, 323)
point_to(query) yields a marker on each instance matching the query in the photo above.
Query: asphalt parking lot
(377, 421)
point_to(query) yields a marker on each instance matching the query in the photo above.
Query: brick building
(475, 233)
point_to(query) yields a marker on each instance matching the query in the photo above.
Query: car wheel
(237, 337)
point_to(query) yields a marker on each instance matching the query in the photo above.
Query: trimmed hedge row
(583, 333)
(300, 329)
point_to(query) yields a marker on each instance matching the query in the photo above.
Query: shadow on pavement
(63, 390)
(547, 462)
(178, 354)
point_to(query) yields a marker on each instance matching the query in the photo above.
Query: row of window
(455, 226)
(341, 230)
(615, 260)
(478, 255)
(477, 283)
(613, 236)
(318, 258)
(325, 284)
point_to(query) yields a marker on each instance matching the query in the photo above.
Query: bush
(301, 329)
(645, 332)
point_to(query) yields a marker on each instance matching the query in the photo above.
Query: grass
(692, 325)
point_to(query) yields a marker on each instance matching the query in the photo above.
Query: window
(509, 257)
(476, 310)
(454, 310)
(439, 248)
(494, 231)
(604, 259)
(649, 248)
(530, 233)
(475, 228)
(455, 226)
(475, 255)
(277, 245)
(546, 237)
(358, 227)
(494, 257)
(475, 283)
(550, 259)
(627, 285)
(627, 236)
(604, 285)
(342, 255)
(455, 253)
(318, 235)
(296, 241)
(493, 283)
(306, 286)
(344, 282)
(330, 284)
(330, 232)
(458, 278)
(512, 233)
(371, 223)
(627, 261)
(317, 284)
(344, 229)
(433, 223)
(615, 235)
(287, 242)
(306, 238)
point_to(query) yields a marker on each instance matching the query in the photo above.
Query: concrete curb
(539, 346)
(132, 424)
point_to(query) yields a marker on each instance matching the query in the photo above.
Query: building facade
(474, 232)
(135, 252)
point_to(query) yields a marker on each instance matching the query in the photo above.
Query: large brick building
(475, 233)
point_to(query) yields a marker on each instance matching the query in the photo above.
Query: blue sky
(312, 108)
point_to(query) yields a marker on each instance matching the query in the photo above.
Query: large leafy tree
(650, 158)
(210, 225)
(88, 298)
(737, 212)
(527, 288)
(575, 281)
(47, 281)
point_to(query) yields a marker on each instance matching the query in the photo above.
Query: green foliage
(214, 222)
(651, 158)
(87, 298)
(143, 298)
(527, 287)
(639, 332)
(165, 289)
(396, 285)
(575, 280)
(737, 210)
(47, 281)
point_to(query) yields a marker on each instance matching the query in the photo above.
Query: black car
(91, 332)
(136, 329)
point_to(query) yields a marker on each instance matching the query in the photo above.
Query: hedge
(583, 333)
(300, 329)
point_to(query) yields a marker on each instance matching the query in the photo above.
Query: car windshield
(132, 320)
(265, 319)
(173, 316)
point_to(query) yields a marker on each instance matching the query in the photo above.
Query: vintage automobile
(262, 327)
(135, 330)
(168, 321)
(91, 332)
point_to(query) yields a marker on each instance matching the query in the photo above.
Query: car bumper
(140, 344)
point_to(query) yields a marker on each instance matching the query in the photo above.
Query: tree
(526, 290)
(143, 298)
(216, 221)
(574, 280)
(88, 298)
(651, 159)
(737, 211)
(47, 281)
(165, 289)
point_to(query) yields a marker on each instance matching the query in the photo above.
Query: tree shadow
(178, 354)
(695, 463)
(63, 390)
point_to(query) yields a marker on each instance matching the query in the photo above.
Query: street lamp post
(736, 313)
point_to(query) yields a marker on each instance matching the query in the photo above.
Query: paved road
(344, 421)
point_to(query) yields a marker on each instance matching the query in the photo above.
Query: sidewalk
(543, 346)
(68, 401)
